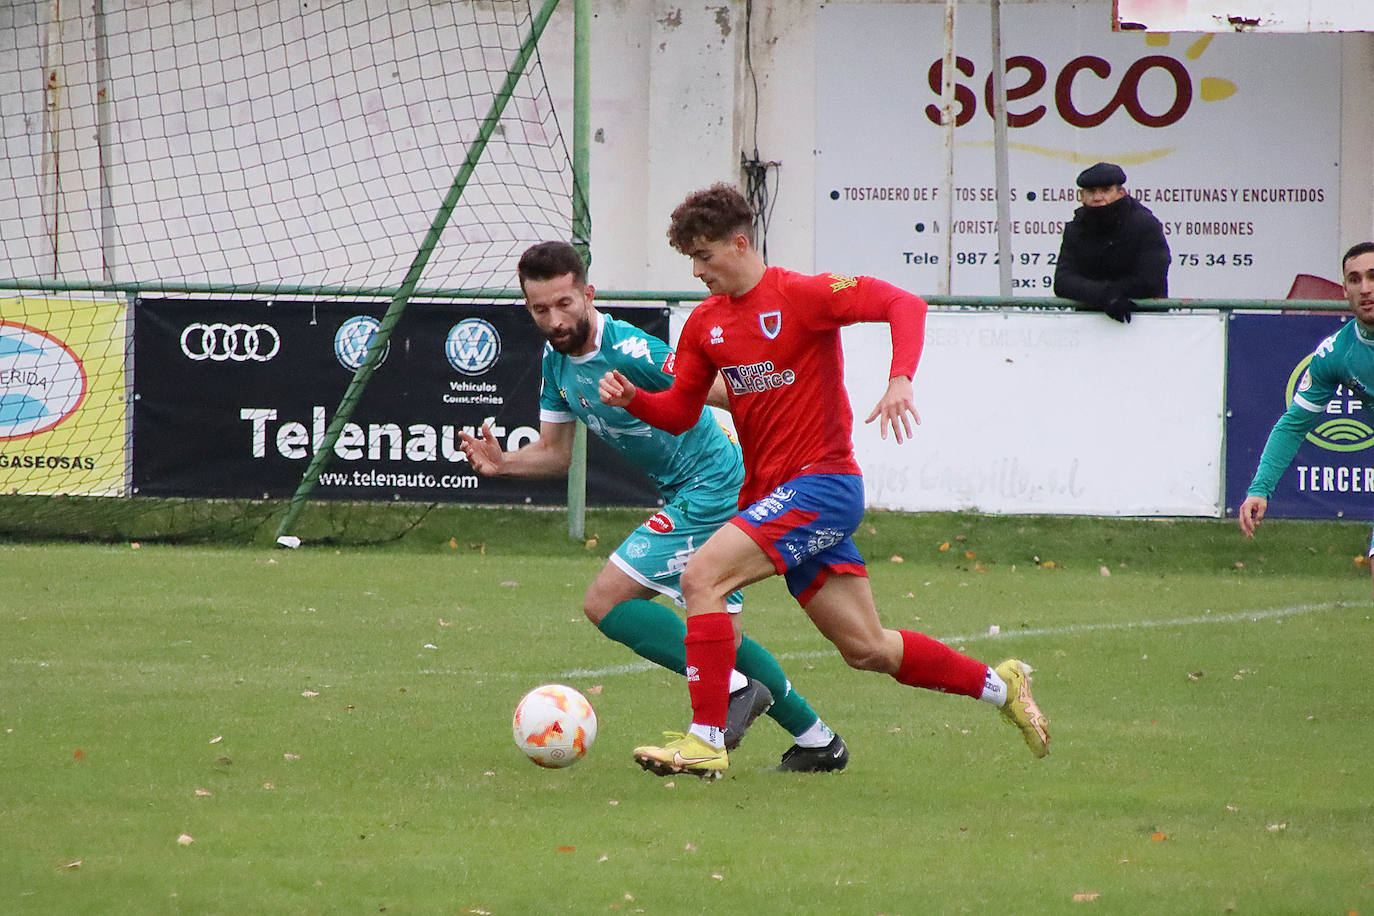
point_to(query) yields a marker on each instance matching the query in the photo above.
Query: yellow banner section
(62, 396)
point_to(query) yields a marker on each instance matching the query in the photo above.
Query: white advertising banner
(1030, 413)
(1232, 141)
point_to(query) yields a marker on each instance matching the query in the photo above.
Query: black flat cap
(1102, 175)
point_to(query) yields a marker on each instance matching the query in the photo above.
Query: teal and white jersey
(703, 458)
(1345, 358)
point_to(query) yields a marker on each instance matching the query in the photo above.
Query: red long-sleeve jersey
(778, 347)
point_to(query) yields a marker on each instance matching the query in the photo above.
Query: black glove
(1119, 309)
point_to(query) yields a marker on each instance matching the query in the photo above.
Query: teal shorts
(656, 553)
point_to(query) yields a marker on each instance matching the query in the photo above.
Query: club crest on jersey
(840, 281)
(771, 324)
(660, 522)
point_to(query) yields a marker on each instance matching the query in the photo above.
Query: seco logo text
(1027, 76)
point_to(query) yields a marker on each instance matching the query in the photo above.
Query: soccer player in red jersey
(775, 337)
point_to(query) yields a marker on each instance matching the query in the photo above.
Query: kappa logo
(634, 348)
(661, 522)
(771, 324)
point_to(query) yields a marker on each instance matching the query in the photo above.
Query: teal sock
(790, 709)
(651, 630)
(655, 632)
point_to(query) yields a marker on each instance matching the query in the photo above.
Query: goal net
(240, 151)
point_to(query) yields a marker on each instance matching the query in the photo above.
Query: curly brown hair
(712, 214)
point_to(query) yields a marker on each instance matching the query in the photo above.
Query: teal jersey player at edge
(698, 473)
(774, 335)
(1345, 358)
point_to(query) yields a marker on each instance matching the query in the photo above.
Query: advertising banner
(234, 397)
(1070, 414)
(1231, 140)
(1332, 476)
(62, 410)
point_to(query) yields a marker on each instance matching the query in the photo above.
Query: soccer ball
(554, 725)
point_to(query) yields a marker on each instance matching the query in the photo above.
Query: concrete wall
(673, 107)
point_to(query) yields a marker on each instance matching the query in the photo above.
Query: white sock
(994, 689)
(709, 733)
(818, 735)
(737, 680)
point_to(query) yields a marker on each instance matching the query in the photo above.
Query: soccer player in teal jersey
(1345, 358)
(698, 472)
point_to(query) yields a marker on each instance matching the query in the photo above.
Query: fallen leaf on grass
(452, 542)
(78, 754)
(203, 793)
(594, 689)
(217, 739)
(1275, 828)
(1362, 562)
(309, 693)
(445, 623)
(510, 583)
(1104, 571)
(1158, 836)
(591, 542)
(185, 840)
(896, 558)
(75, 863)
(1195, 675)
(944, 546)
(567, 849)
(969, 554)
(1085, 896)
(290, 756)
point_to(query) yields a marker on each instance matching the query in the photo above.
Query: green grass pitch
(242, 730)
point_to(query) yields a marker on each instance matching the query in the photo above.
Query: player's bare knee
(595, 607)
(700, 588)
(863, 656)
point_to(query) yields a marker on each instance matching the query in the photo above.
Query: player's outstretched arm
(615, 389)
(1251, 514)
(548, 457)
(896, 410)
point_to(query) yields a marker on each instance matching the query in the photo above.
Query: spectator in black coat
(1113, 250)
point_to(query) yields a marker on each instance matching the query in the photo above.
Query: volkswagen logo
(473, 346)
(353, 339)
(237, 342)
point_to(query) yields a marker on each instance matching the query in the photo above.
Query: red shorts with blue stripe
(805, 527)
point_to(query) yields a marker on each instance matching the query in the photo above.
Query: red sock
(710, 645)
(933, 665)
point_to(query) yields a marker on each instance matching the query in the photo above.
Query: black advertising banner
(233, 397)
(1332, 476)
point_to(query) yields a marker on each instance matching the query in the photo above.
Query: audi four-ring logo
(237, 342)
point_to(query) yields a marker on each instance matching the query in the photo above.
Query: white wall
(665, 134)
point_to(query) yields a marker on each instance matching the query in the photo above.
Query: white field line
(1196, 620)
